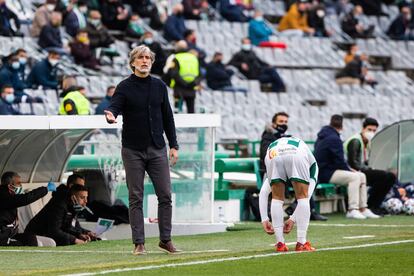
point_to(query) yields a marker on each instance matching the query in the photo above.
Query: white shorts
(288, 168)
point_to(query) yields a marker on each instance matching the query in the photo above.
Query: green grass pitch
(243, 240)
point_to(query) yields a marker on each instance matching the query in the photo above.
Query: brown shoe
(168, 247)
(139, 250)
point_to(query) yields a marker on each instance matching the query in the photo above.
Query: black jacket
(9, 203)
(6, 15)
(218, 76)
(329, 153)
(399, 26)
(256, 65)
(354, 155)
(146, 113)
(269, 135)
(50, 37)
(57, 220)
(352, 70)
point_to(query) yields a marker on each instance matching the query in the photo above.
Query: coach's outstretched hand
(110, 118)
(268, 228)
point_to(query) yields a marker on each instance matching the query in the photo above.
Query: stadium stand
(307, 66)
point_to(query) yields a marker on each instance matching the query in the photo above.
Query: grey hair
(137, 51)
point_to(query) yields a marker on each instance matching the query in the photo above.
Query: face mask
(50, 7)
(83, 9)
(369, 135)
(95, 22)
(78, 208)
(246, 47)
(259, 18)
(83, 39)
(53, 62)
(15, 65)
(23, 61)
(9, 98)
(148, 40)
(320, 13)
(408, 17)
(18, 190)
(281, 128)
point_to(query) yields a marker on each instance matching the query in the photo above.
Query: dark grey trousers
(155, 162)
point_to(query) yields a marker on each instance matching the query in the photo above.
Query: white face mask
(83, 9)
(53, 62)
(369, 135)
(246, 47)
(259, 18)
(23, 60)
(50, 7)
(320, 13)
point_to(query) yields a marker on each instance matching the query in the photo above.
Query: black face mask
(281, 128)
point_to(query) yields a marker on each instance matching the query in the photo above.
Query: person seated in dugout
(58, 219)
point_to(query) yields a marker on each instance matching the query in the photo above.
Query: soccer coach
(143, 102)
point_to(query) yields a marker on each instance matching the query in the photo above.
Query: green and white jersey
(290, 159)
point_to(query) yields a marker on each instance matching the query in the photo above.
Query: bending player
(289, 160)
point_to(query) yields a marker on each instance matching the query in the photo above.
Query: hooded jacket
(329, 153)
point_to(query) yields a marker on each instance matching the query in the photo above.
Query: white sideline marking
(361, 225)
(150, 267)
(106, 251)
(359, 237)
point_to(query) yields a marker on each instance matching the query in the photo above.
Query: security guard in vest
(357, 150)
(74, 102)
(185, 76)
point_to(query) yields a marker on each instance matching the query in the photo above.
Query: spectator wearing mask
(10, 74)
(42, 17)
(402, 28)
(196, 9)
(185, 77)
(191, 39)
(58, 219)
(329, 154)
(135, 28)
(104, 104)
(155, 47)
(11, 198)
(6, 17)
(114, 15)
(295, 21)
(219, 77)
(147, 9)
(74, 102)
(50, 37)
(7, 99)
(44, 73)
(98, 34)
(254, 68)
(174, 27)
(357, 150)
(356, 25)
(316, 21)
(76, 18)
(259, 32)
(371, 7)
(82, 52)
(356, 72)
(232, 12)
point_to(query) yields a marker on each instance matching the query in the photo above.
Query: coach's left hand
(173, 156)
